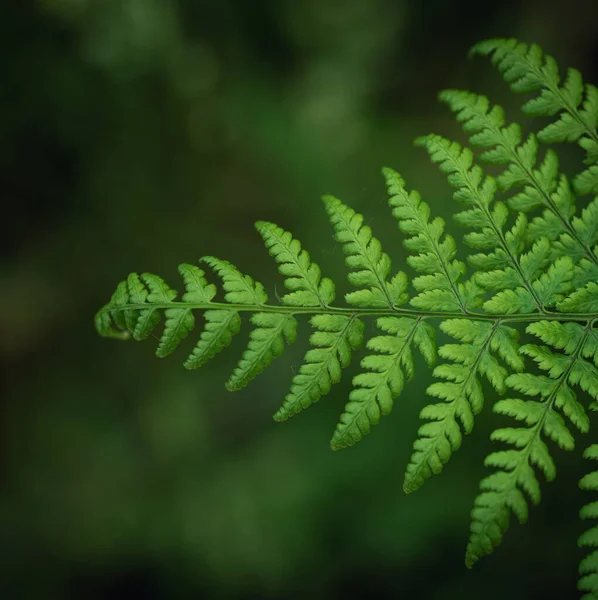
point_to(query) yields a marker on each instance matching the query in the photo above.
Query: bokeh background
(138, 134)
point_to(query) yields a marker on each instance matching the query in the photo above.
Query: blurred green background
(138, 134)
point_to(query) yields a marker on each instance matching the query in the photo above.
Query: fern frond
(136, 304)
(527, 69)
(104, 325)
(334, 339)
(179, 321)
(504, 491)
(586, 182)
(588, 568)
(266, 342)
(338, 335)
(503, 145)
(239, 288)
(461, 392)
(221, 326)
(477, 191)
(364, 254)
(384, 377)
(303, 277)
(586, 228)
(542, 186)
(584, 300)
(198, 290)
(540, 272)
(440, 288)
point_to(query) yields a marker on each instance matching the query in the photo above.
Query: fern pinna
(533, 268)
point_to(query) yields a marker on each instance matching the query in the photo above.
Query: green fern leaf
(585, 375)
(526, 69)
(221, 326)
(556, 283)
(136, 294)
(303, 277)
(555, 364)
(573, 124)
(586, 227)
(119, 300)
(461, 392)
(334, 339)
(546, 291)
(590, 349)
(538, 272)
(440, 287)
(586, 182)
(588, 568)
(584, 300)
(266, 343)
(586, 231)
(562, 336)
(555, 222)
(364, 254)
(239, 288)
(502, 492)
(473, 189)
(105, 320)
(179, 321)
(504, 146)
(542, 186)
(384, 376)
(198, 290)
(537, 184)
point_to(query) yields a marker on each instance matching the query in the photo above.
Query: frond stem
(364, 312)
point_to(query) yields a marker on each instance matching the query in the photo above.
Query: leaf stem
(362, 312)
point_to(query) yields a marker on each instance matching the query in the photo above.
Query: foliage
(534, 269)
(589, 565)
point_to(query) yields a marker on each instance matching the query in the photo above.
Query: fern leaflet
(542, 186)
(588, 567)
(461, 392)
(503, 491)
(527, 69)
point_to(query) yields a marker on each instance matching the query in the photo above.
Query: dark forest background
(138, 134)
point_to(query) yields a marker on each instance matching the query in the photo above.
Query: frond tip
(527, 69)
